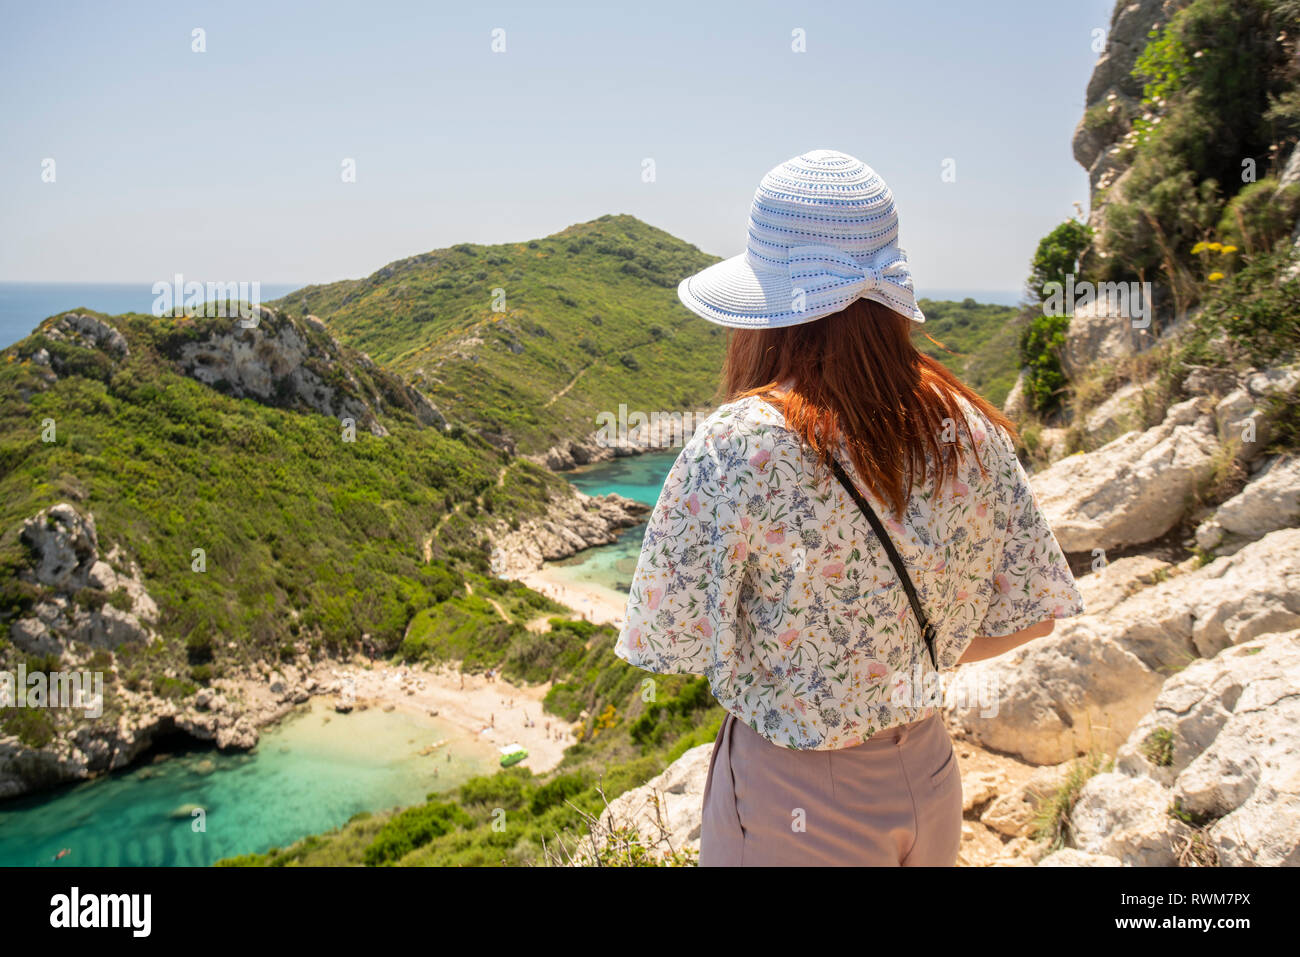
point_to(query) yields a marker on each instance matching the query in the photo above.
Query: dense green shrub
(1260, 216)
(413, 828)
(1041, 342)
(1057, 256)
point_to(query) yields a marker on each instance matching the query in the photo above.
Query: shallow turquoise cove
(308, 774)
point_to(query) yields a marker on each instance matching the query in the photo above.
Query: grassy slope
(308, 539)
(984, 338)
(593, 308)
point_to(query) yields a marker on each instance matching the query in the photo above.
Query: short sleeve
(1032, 581)
(682, 605)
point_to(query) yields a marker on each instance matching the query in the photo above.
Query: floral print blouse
(759, 572)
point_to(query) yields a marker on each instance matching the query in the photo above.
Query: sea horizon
(25, 305)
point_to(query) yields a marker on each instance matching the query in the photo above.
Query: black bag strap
(927, 630)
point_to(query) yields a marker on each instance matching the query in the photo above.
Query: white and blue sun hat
(823, 231)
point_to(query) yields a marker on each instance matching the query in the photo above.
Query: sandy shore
(595, 604)
(495, 711)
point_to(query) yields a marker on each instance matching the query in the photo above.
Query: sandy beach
(494, 711)
(591, 602)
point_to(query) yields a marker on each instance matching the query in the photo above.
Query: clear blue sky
(226, 165)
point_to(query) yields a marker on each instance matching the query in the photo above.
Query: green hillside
(310, 542)
(308, 539)
(590, 319)
(977, 341)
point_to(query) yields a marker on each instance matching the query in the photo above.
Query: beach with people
(495, 711)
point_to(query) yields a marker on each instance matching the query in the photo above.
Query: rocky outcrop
(665, 811)
(82, 598)
(84, 603)
(1128, 819)
(228, 715)
(1134, 489)
(298, 365)
(571, 453)
(1213, 770)
(1088, 684)
(1143, 484)
(1117, 413)
(1243, 414)
(276, 360)
(1102, 332)
(1271, 500)
(573, 522)
(87, 332)
(1113, 87)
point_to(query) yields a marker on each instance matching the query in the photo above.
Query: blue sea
(996, 297)
(24, 304)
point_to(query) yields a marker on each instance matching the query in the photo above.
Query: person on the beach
(848, 527)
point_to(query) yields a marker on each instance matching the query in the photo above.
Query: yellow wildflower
(1215, 276)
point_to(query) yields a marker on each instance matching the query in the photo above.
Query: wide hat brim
(818, 281)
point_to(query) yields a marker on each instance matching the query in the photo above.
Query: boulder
(1053, 698)
(1087, 685)
(1243, 413)
(1116, 414)
(1271, 500)
(1221, 744)
(666, 809)
(1104, 330)
(1131, 490)
(1128, 819)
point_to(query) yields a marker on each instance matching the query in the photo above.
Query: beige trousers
(893, 800)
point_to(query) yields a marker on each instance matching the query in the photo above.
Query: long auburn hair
(857, 376)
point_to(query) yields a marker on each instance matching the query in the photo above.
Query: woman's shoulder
(983, 431)
(739, 419)
(733, 444)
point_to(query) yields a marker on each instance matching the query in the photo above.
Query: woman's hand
(982, 648)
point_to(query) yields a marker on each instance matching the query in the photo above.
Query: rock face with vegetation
(84, 599)
(1085, 687)
(295, 364)
(1211, 774)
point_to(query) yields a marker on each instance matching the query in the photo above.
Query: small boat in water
(512, 754)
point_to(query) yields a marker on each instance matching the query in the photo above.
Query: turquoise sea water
(638, 477)
(309, 774)
(610, 567)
